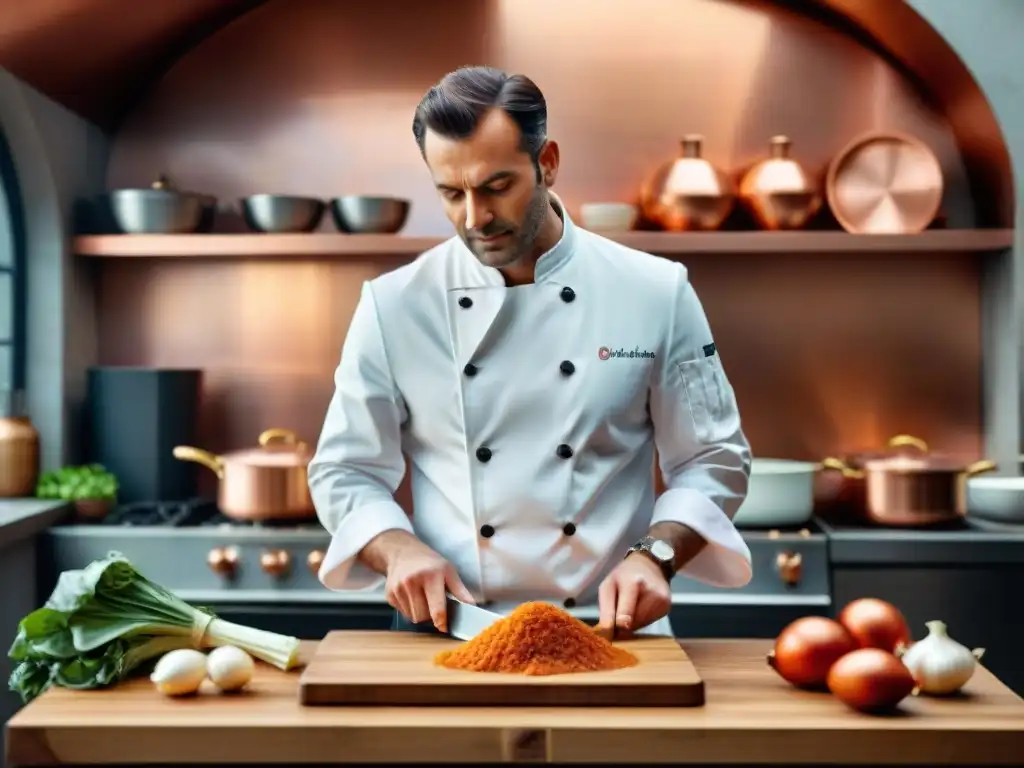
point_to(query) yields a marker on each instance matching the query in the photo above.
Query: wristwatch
(660, 552)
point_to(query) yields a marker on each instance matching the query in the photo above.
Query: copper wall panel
(827, 353)
(316, 97)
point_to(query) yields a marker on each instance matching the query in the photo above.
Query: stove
(791, 579)
(264, 573)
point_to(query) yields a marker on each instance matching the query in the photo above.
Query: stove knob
(275, 562)
(315, 560)
(790, 567)
(223, 561)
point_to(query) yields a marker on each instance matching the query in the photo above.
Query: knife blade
(466, 621)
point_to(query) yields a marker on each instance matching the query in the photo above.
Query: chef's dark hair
(453, 108)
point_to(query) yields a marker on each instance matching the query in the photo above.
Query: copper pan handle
(838, 465)
(213, 463)
(979, 467)
(280, 435)
(908, 441)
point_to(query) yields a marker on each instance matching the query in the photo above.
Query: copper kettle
(778, 192)
(688, 193)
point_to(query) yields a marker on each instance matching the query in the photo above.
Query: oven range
(264, 575)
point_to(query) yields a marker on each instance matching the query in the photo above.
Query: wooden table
(751, 718)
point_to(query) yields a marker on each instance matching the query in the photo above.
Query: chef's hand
(632, 596)
(417, 578)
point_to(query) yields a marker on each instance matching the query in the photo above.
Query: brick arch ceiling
(97, 57)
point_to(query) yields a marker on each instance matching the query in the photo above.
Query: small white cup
(608, 217)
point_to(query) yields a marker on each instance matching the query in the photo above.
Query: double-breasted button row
(487, 530)
(484, 454)
(566, 367)
(567, 294)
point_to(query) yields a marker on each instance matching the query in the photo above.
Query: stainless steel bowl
(156, 211)
(282, 213)
(360, 214)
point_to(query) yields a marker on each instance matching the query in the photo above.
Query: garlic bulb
(179, 672)
(230, 668)
(939, 664)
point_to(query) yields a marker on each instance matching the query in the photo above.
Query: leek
(105, 621)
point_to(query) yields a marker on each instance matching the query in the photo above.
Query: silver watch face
(662, 551)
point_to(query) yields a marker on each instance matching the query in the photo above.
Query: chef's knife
(467, 621)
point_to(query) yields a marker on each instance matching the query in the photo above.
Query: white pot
(781, 494)
(997, 499)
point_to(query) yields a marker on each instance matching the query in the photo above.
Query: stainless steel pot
(282, 213)
(912, 492)
(160, 209)
(361, 214)
(265, 483)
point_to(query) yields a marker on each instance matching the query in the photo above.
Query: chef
(524, 372)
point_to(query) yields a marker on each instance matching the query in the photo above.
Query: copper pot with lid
(904, 491)
(778, 192)
(688, 193)
(839, 495)
(269, 482)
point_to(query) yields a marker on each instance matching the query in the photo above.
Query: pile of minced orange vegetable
(537, 639)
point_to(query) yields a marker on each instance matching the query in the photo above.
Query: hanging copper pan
(885, 184)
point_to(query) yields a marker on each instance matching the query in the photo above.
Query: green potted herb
(91, 488)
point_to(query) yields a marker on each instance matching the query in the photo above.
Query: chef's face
(491, 190)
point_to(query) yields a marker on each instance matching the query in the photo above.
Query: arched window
(12, 284)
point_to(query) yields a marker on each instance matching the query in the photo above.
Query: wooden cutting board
(397, 669)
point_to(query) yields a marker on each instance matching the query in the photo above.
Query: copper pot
(913, 492)
(688, 193)
(19, 458)
(265, 483)
(839, 496)
(778, 192)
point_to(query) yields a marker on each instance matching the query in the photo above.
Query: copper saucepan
(265, 483)
(913, 491)
(839, 496)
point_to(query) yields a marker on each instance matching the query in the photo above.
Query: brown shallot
(876, 624)
(807, 648)
(870, 680)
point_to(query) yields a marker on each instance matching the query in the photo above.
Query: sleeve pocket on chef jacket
(711, 401)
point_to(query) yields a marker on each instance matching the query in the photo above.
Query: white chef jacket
(529, 416)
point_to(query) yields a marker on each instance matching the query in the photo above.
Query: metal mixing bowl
(156, 211)
(282, 213)
(360, 214)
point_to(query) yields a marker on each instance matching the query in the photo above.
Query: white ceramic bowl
(608, 217)
(780, 494)
(999, 499)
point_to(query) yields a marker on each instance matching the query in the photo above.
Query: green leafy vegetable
(105, 621)
(91, 481)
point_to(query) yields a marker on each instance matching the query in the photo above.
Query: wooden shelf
(663, 243)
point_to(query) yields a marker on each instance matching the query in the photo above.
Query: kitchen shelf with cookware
(883, 190)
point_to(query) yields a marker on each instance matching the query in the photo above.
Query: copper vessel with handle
(265, 483)
(778, 192)
(688, 193)
(885, 184)
(912, 491)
